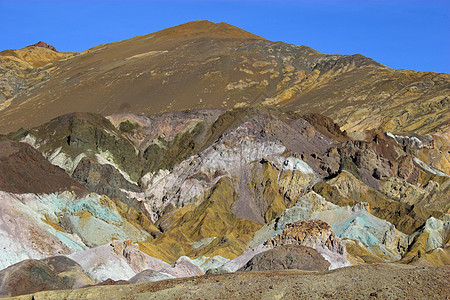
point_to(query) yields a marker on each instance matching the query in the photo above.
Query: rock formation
(31, 276)
(314, 234)
(200, 151)
(287, 257)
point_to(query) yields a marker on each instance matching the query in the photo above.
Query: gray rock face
(287, 257)
(437, 232)
(232, 154)
(104, 180)
(116, 260)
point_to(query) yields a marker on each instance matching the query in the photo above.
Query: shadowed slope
(24, 170)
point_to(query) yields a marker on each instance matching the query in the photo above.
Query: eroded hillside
(205, 191)
(215, 65)
(198, 150)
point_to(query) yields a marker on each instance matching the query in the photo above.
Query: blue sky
(405, 34)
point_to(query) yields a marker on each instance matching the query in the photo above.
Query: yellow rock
(37, 56)
(211, 218)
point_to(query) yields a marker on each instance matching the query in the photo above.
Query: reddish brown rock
(110, 281)
(326, 126)
(24, 170)
(44, 45)
(314, 234)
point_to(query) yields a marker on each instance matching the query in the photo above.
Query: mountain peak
(44, 45)
(208, 28)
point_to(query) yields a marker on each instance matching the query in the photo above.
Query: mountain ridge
(202, 65)
(200, 27)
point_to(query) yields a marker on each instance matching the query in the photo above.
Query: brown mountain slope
(24, 68)
(215, 65)
(194, 65)
(37, 55)
(388, 99)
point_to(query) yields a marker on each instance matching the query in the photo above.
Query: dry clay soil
(378, 281)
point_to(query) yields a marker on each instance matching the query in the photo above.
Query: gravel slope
(378, 281)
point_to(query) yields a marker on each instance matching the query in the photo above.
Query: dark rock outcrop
(104, 180)
(110, 281)
(31, 276)
(287, 257)
(24, 170)
(326, 126)
(44, 45)
(149, 276)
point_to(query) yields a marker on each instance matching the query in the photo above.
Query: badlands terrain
(203, 161)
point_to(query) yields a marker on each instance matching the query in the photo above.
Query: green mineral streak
(91, 203)
(92, 134)
(16, 135)
(229, 120)
(127, 126)
(349, 166)
(93, 206)
(162, 154)
(85, 133)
